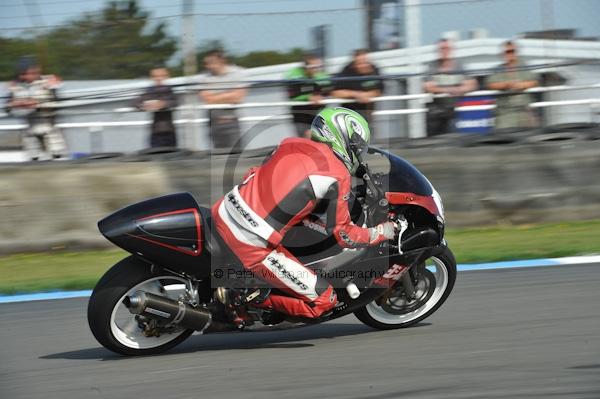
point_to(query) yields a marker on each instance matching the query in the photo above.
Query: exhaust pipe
(167, 310)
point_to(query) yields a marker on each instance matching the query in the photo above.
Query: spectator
(223, 86)
(512, 108)
(30, 97)
(362, 91)
(445, 77)
(160, 100)
(313, 86)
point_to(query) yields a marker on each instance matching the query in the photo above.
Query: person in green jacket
(312, 86)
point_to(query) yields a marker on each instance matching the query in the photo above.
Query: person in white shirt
(223, 84)
(31, 97)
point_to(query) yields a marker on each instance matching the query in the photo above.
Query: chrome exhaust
(167, 310)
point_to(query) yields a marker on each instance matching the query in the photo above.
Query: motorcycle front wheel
(434, 285)
(114, 326)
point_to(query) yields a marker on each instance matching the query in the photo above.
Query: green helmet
(335, 127)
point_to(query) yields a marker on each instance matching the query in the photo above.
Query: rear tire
(106, 299)
(379, 317)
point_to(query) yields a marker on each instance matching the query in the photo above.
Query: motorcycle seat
(213, 243)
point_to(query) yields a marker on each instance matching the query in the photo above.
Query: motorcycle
(165, 290)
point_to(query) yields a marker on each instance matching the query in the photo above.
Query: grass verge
(81, 270)
(492, 244)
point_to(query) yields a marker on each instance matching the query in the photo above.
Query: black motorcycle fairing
(167, 231)
(329, 265)
(178, 230)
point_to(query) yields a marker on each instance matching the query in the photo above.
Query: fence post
(96, 142)
(412, 23)
(188, 44)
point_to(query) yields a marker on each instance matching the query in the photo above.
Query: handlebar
(376, 206)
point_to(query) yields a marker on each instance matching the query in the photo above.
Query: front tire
(434, 286)
(110, 321)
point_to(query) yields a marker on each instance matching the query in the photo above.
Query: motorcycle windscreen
(403, 177)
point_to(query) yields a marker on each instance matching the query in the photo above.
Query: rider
(253, 217)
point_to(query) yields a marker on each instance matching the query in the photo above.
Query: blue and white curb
(513, 264)
(42, 296)
(571, 260)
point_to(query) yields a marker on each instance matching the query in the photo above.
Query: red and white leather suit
(253, 218)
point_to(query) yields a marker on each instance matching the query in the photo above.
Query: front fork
(408, 274)
(407, 278)
(403, 275)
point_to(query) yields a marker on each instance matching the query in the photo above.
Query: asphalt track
(516, 333)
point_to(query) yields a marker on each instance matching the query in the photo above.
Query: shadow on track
(282, 339)
(586, 367)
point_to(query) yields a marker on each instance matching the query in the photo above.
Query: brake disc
(400, 304)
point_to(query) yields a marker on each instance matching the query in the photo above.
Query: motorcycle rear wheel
(433, 288)
(110, 321)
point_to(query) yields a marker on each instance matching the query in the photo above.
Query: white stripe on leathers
(240, 232)
(294, 275)
(250, 221)
(321, 184)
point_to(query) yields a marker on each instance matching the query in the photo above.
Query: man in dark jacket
(361, 90)
(160, 100)
(445, 76)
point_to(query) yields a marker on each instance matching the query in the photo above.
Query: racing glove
(382, 232)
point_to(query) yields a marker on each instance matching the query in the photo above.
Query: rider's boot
(236, 303)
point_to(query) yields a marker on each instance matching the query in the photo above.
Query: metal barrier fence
(400, 112)
(592, 103)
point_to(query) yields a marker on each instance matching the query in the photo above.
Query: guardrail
(593, 105)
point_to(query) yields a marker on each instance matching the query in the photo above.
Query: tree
(262, 58)
(118, 43)
(11, 50)
(252, 59)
